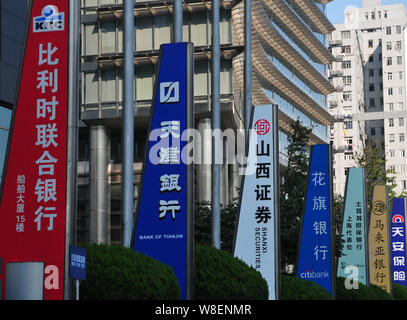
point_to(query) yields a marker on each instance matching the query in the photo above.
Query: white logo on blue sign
(50, 20)
(169, 92)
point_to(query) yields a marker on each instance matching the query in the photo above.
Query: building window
(401, 75)
(345, 34)
(347, 64)
(401, 106)
(371, 72)
(390, 76)
(399, 60)
(370, 44)
(371, 87)
(390, 91)
(391, 137)
(347, 96)
(372, 102)
(401, 122)
(391, 106)
(391, 122)
(388, 45)
(348, 125)
(391, 153)
(402, 153)
(346, 49)
(388, 30)
(347, 80)
(389, 61)
(372, 131)
(401, 137)
(371, 58)
(398, 45)
(398, 29)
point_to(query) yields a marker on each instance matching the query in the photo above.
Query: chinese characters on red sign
(32, 208)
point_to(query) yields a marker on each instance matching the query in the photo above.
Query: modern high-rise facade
(370, 69)
(289, 69)
(13, 18)
(290, 58)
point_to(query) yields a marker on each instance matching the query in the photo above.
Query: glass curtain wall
(5, 120)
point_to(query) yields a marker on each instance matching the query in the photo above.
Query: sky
(336, 8)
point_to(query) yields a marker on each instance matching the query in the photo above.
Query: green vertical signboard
(353, 261)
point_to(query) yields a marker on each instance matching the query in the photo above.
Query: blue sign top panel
(314, 257)
(77, 262)
(161, 222)
(354, 251)
(398, 242)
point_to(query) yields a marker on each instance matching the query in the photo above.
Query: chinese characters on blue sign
(398, 241)
(161, 224)
(77, 262)
(315, 252)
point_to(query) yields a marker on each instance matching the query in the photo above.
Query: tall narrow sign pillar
(257, 233)
(164, 222)
(33, 203)
(354, 259)
(398, 241)
(379, 253)
(315, 261)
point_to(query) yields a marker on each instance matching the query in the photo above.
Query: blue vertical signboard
(316, 249)
(354, 230)
(163, 227)
(398, 242)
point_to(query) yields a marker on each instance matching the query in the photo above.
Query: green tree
(373, 159)
(203, 224)
(292, 191)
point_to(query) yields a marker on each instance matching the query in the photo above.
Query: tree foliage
(219, 275)
(203, 224)
(373, 159)
(292, 190)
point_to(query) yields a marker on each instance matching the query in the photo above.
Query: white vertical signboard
(255, 239)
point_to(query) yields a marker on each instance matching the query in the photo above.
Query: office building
(290, 58)
(370, 72)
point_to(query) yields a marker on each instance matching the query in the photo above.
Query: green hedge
(219, 275)
(372, 292)
(115, 272)
(293, 288)
(399, 292)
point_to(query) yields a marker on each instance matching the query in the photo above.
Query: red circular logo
(262, 127)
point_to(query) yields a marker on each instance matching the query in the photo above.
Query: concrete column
(99, 159)
(203, 171)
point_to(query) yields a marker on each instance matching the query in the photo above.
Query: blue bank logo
(50, 20)
(169, 92)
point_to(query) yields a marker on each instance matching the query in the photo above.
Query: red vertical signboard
(32, 207)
